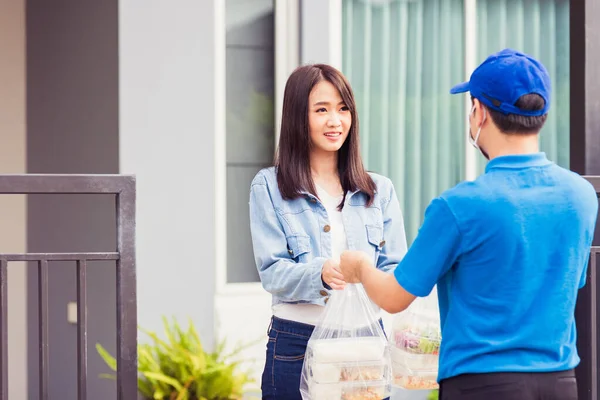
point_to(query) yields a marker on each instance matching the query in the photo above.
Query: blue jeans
(285, 356)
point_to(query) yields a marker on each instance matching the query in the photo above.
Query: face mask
(472, 140)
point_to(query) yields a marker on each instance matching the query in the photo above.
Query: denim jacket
(291, 240)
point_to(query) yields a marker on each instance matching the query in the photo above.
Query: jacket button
(382, 243)
(313, 200)
(326, 228)
(326, 300)
(323, 293)
(291, 251)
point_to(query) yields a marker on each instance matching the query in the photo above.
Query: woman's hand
(332, 275)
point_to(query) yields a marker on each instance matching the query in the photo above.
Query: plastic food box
(347, 350)
(416, 340)
(349, 372)
(371, 390)
(416, 351)
(414, 380)
(349, 368)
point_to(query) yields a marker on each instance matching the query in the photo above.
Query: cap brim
(460, 88)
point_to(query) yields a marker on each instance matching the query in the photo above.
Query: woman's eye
(345, 108)
(322, 109)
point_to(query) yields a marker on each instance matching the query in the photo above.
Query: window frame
(286, 32)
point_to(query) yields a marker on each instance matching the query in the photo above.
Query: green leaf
(108, 359)
(163, 378)
(178, 367)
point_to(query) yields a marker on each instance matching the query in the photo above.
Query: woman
(316, 202)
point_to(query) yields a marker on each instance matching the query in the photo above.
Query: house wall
(72, 127)
(167, 124)
(12, 161)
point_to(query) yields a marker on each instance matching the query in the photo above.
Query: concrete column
(167, 123)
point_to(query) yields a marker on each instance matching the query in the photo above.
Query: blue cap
(506, 76)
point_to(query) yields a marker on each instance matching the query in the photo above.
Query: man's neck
(513, 144)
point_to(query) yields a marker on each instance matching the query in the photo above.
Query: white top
(339, 243)
(310, 313)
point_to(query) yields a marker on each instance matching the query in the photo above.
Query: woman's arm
(279, 273)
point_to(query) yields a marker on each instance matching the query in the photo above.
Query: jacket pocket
(290, 347)
(298, 245)
(375, 236)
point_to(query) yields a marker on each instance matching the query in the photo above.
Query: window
(403, 56)
(250, 120)
(539, 28)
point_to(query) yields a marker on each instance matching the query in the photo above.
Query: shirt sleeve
(279, 273)
(434, 251)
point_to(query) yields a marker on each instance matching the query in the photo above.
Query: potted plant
(179, 368)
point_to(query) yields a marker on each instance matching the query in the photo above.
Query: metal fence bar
(64, 184)
(126, 296)
(82, 356)
(3, 330)
(123, 186)
(43, 327)
(593, 349)
(595, 181)
(60, 256)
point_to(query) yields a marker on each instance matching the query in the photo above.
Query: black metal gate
(123, 187)
(586, 315)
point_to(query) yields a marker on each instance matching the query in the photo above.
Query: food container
(416, 336)
(416, 350)
(414, 380)
(355, 349)
(372, 390)
(349, 371)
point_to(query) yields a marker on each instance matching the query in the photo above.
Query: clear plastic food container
(373, 390)
(415, 352)
(414, 380)
(349, 372)
(347, 349)
(416, 337)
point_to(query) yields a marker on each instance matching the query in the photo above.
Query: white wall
(167, 124)
(12, 208)
(321, 32)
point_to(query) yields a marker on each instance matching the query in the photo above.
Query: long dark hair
(292, 159)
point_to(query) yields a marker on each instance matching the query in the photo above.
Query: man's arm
(434, 251)
(384, 290)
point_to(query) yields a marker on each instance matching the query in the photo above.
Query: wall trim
(470, 9)
(287, 55)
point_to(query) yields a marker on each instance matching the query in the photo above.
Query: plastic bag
(416, 338)
(348, 355)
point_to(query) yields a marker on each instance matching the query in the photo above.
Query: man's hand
(332, 275)
(381, 287)
(352, 262)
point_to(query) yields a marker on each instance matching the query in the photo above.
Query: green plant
(433, 395)
(179, 368)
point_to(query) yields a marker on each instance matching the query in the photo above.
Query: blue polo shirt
(509, 252)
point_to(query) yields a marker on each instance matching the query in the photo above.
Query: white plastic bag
(416, 338)
(348, 355)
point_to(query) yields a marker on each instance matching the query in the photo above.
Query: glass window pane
(539, 28)
(402, 58)
(249, 121)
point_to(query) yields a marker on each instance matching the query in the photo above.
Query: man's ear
(478, 112)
